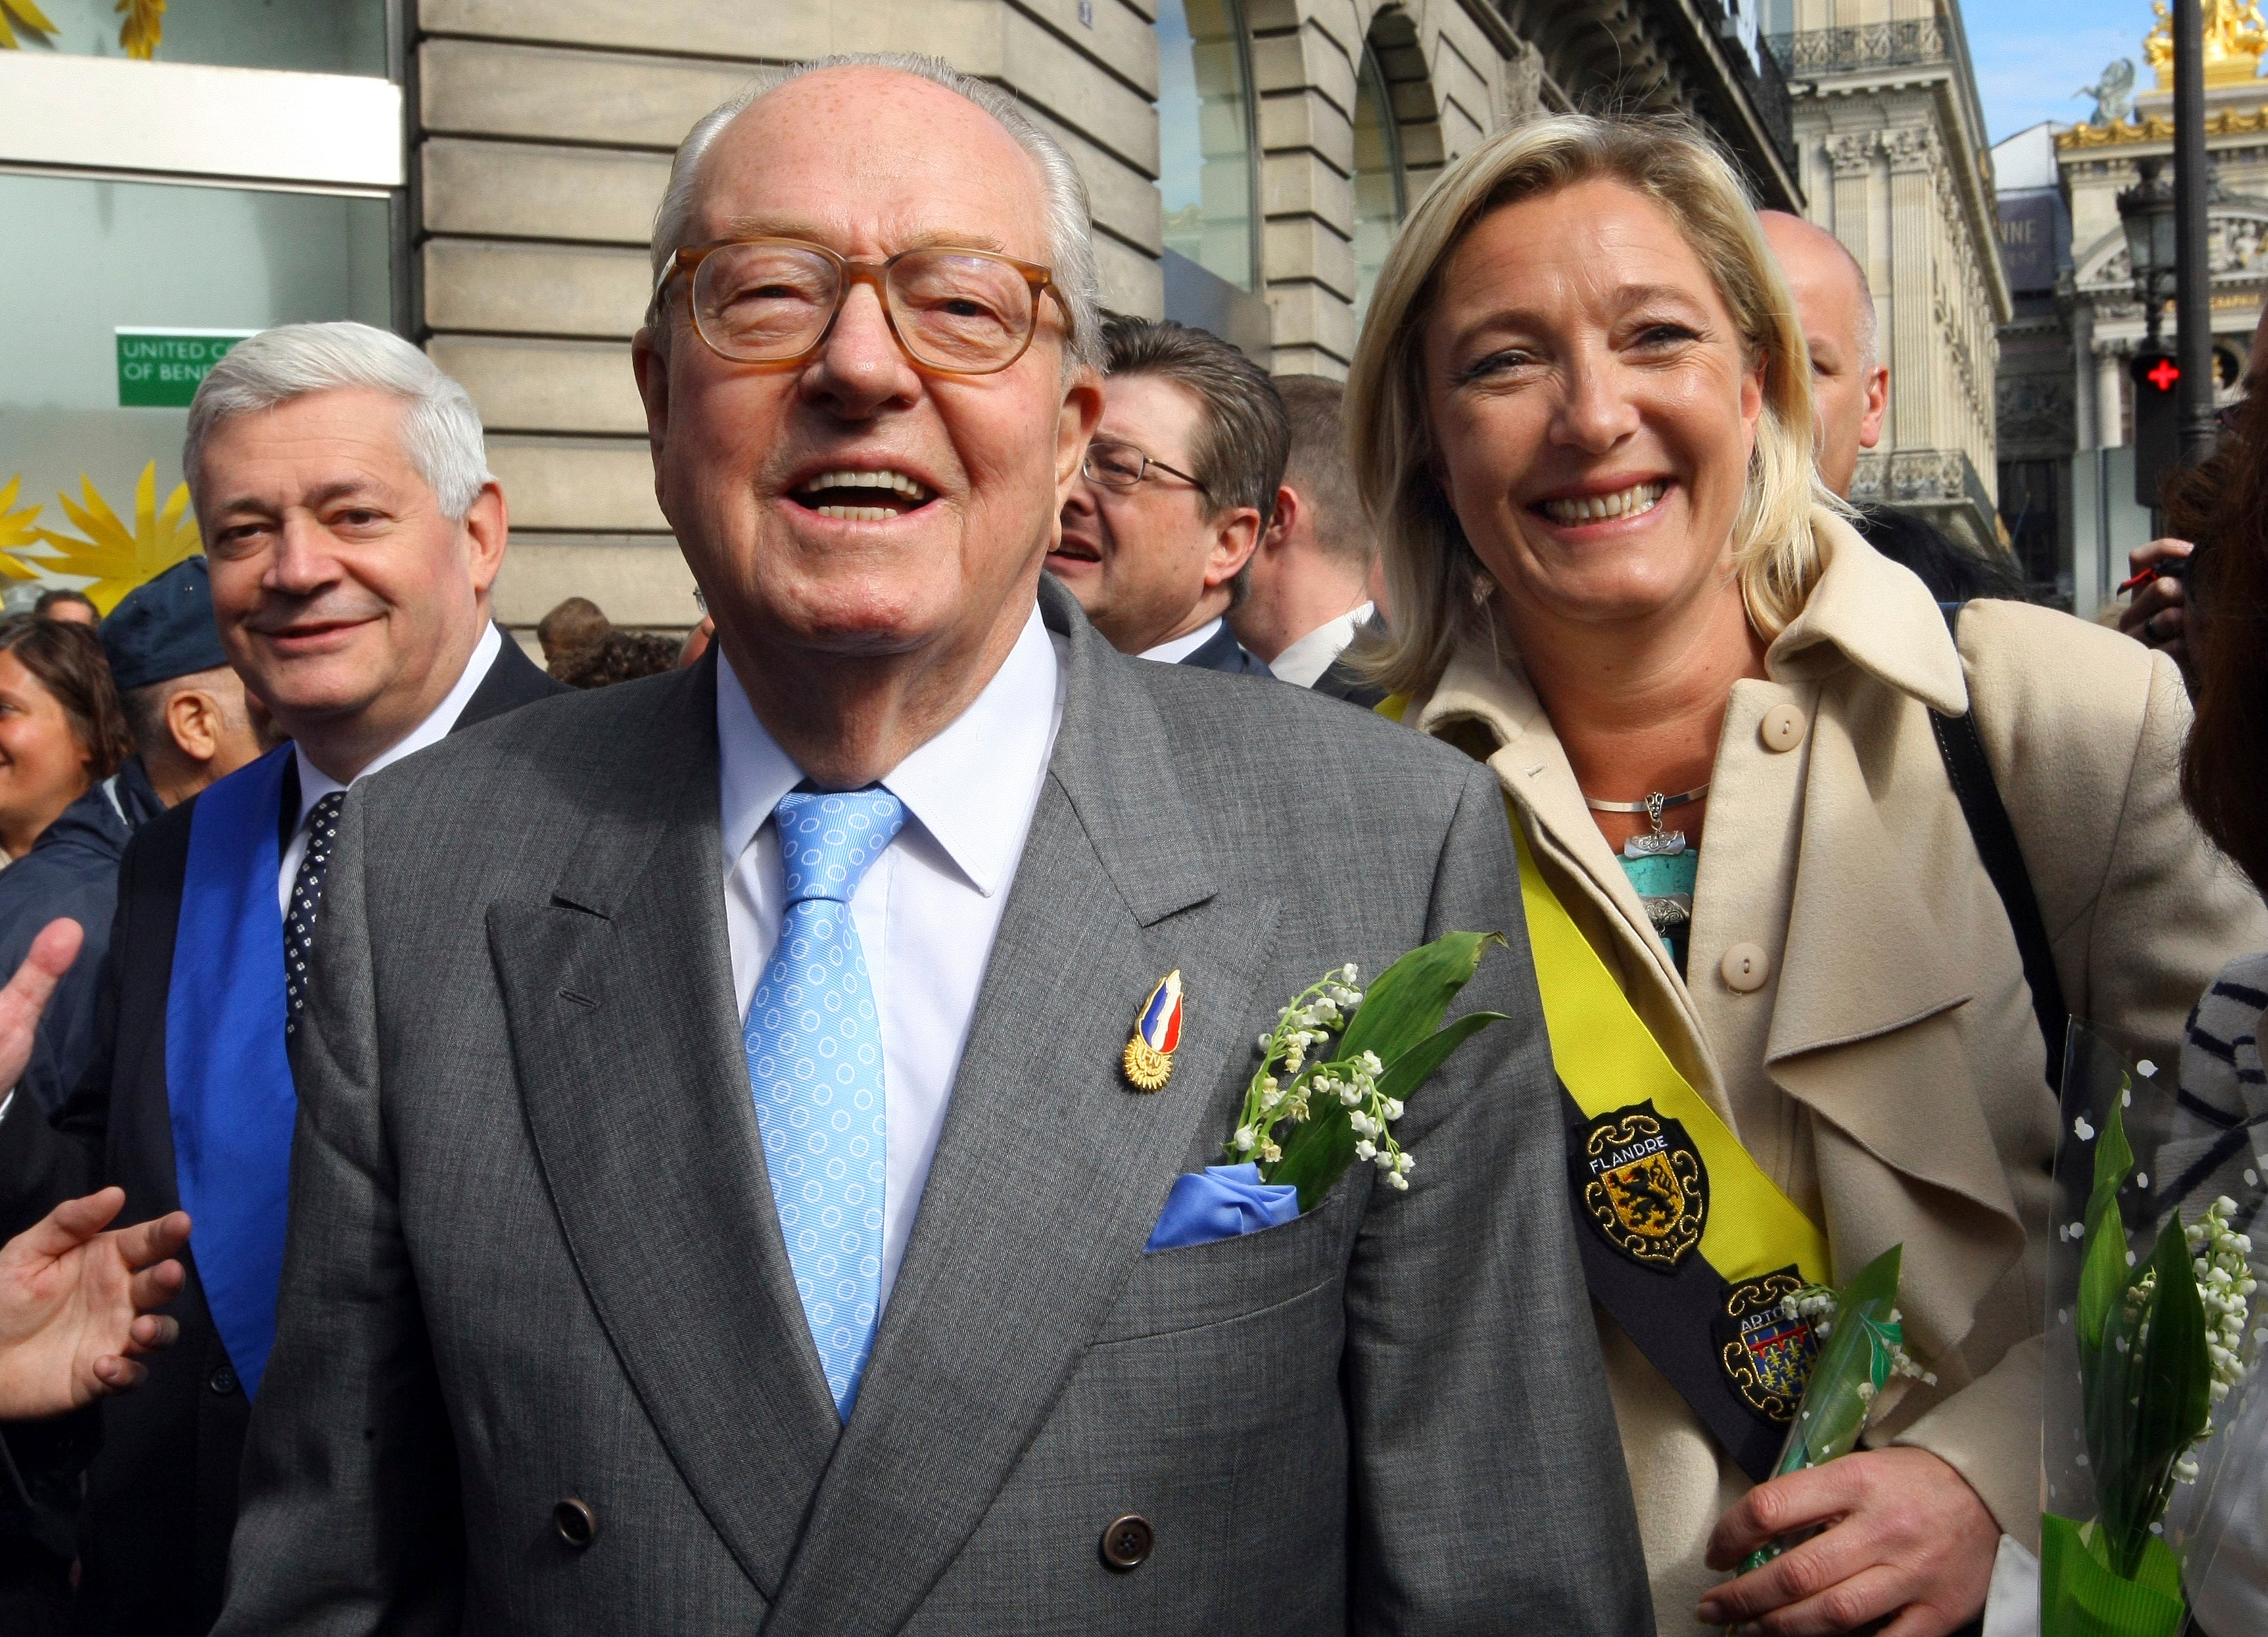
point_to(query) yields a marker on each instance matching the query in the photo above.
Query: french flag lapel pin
(1149, 1060)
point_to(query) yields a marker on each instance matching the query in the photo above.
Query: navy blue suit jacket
(161, 1495)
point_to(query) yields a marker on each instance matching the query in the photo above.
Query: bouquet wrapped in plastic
(2149, 1347)
(1861, 1342)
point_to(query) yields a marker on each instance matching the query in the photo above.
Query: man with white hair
(725, 1202)
(352, 532)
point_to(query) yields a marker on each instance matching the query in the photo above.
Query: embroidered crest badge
(1766, 1355)
(1149, 1060)
(1644, 1185)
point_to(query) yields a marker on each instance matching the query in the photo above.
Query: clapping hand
(26, 994)
(75, 1304)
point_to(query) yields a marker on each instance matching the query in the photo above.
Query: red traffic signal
(2157, 371)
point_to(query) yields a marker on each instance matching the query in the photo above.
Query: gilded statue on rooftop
(2235, 37)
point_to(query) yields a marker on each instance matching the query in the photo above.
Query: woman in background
(62, 729)
(2225, 776)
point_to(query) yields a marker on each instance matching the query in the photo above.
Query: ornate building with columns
(2100, 159)
(482, 174)
(1892, 159)
(2065, 404)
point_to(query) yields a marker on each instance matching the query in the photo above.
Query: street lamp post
(2146, 212)
(2192, 275)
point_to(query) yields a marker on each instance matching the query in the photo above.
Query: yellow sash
(1608, 1059)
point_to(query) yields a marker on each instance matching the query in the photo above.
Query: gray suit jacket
(534, 1254)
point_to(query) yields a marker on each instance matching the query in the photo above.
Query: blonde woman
(1786, 999)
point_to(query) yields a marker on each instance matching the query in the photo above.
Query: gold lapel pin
(1149, 1059)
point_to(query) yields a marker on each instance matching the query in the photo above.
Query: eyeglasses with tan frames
(1117, 465)
(960, 312)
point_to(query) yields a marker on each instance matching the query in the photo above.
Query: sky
(2032, 54)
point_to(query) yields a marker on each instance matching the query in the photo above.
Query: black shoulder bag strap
(1971, 775)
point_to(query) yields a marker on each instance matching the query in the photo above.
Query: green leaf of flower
(1405, 1003)
(2102, 1276)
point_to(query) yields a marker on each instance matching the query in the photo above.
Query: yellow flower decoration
(15, 531)
(143, 31)
(114, 559)
(26, 16)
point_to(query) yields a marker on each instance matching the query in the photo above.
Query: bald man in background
(1850, 395)
(1849, 384)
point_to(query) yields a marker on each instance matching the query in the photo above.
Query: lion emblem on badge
(1767, 1352)
(1645, 1185)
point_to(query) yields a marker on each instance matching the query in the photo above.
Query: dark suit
(1342, 681)
(1223, 653)
(161, 1495)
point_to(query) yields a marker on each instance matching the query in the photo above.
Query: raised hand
(75, 1302)
(27, 994)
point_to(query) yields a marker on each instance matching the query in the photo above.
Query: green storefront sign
(160, 369)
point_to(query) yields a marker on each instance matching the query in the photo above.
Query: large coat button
(1746, 969)
(577, 1523)
(1127, 1542)
(222, 1381)
(1783, 728)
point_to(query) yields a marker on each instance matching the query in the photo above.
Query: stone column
(1914, 157)
(2110, 389)
(1851, 157)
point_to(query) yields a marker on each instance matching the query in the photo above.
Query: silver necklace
(1661, 843)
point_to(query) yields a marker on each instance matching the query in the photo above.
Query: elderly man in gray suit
(719, 1203)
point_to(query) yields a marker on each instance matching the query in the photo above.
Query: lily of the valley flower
(1285, 1086)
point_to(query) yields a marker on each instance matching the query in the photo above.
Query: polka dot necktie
(306, 898)
(814, 1046)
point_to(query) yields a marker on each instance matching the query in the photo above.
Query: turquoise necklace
(1661, 867)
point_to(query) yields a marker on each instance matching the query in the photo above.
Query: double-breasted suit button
(1127, 1542)
(1746, 968)
(1783, 728)
(222, 1380)
(577, 1523)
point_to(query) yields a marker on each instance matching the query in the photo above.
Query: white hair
(441, 429)
(1071, 243)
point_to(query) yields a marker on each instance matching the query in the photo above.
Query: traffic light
(2157, 421)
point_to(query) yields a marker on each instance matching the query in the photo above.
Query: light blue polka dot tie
(814, 1048)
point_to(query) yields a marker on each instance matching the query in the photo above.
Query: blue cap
(164, 628)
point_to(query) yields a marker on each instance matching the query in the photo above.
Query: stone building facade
(2101, 158)
(1248, 162)
(2065, 402)
(1893, 160)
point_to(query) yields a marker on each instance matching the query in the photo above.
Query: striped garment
(2217, 1140)
(2223, 1149)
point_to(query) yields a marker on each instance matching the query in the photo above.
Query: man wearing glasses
(1176, 489)
(720, 1202)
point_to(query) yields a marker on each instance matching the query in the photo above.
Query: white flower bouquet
(2150, 1288)
(1335, 1071)
(1333, 1075)
(1861, 1341)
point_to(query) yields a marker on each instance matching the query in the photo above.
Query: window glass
(1380, 201)
(319, 36)
(83, 259)
(1204, 137)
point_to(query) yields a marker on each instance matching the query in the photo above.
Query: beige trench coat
(1889, 1072)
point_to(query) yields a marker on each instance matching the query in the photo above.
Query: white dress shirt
(1181, 647)
(928, 909)
(1307, 658)
(314, 784)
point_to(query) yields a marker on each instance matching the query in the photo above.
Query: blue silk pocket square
(1221, 1202)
